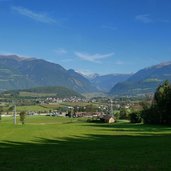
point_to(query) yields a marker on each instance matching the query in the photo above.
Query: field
(47, 107)
(34, 108)
(33, 94)
(64, 144)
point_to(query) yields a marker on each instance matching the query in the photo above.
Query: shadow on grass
(89, 153)
(132, 127)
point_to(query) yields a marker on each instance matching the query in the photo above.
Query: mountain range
(54, 91)
(144, 81)
(105, 83)
(24, 73)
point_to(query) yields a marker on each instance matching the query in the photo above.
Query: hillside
(144, 81)
(60, 92)
(106, 82)
(23, 73)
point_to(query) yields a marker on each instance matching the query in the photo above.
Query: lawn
(53, 106)
(34, 108)
(33, 94)
(63, 144)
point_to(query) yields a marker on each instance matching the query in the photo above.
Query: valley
(85, 85)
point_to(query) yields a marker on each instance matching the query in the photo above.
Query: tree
(22, 117)
(160, 110)
(162, 102)
(135, 117)
(11, 108)
(90, 108)
(123, 114)
(1, 110)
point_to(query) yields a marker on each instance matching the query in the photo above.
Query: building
(108, 119)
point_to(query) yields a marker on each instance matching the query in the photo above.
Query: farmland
(72, 144)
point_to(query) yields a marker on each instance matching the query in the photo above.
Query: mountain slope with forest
(54, 91)
(22, 73)
(144, 81)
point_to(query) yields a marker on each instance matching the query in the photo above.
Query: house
(108, 119)
(88, 114)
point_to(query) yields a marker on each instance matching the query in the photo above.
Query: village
(95, 109)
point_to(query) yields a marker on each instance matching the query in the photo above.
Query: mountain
(144, 81)
(22, 73)
(106, 82)
(60, 92)
(90, 76)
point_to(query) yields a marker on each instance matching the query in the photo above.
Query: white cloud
(5, 53)
(145, 18)
(60, 51)
(96, 58)
(33, 15)
(119, 62)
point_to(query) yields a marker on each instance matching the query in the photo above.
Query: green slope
(60, 92)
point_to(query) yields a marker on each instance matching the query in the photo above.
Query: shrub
(135, 117)
(22, 117)
(123, 114)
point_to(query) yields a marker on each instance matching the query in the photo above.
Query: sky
(89, 36)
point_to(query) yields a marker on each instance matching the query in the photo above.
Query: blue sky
(90, 36)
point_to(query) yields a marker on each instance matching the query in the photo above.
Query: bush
(22, 117)
(135, 117)
(123, 114)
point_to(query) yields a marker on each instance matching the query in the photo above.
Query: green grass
(64, 144)
(150, 80)
(33, 94)
(47, 107)
(35, 108)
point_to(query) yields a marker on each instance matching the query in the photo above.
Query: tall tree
(160, 110)
(162, 102)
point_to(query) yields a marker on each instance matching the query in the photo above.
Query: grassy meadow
(65, 144)
(47, 107)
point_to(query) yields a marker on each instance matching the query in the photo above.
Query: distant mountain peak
(161, 65)
(144, 81)
(71, 70)
(21, 73)
(16, 57)
(88, 76)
